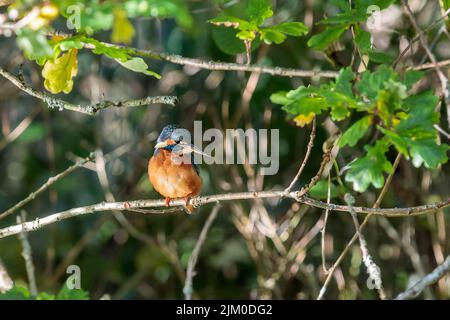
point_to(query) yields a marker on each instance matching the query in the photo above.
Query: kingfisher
(169, 174)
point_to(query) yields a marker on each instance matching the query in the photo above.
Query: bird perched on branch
(171, 169)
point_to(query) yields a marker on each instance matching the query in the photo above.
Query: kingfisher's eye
(178, 140)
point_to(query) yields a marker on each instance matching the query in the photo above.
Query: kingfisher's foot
(167, 200)
(188, 207)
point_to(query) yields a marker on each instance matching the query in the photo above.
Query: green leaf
(226, 40)
(325, 38)
(280, 98)
(232, 22)
(320, 190)
(421, 116)
(411, 77)
(111, 51)
(399, 142)
(380, 57)
(259, 10)
(372, 82)
(356, 131)
(34, 44)
(138, 65)
(270, 35)
(306, 105)
(369, 169)
(70, 43)
(362, 40)
(45, 296)
(246, 35)
(121, 55)
(277, 34)
(71, 294)
(295, 29)
(16, 293)
(344, 81)
(428, 152)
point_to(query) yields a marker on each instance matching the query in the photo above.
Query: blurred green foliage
(252, 251)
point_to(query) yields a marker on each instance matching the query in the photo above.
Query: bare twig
(442, 131)
(429, 279)
(426, 66)
(46, 185)
(372, 269)
(38, 223)
(224, 66)
(305, 160)
(363, 224)
(416, 38)
(442, 78)
(190, 272)
(90, 109)
(323, 231)
(27, 256)
(21, 127)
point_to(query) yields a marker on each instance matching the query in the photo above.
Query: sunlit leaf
(58, 73)
(123, 30)
(138, 65)
(302, 120)
(259, 10)
(34, 44)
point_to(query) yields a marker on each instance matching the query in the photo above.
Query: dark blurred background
(266, 249)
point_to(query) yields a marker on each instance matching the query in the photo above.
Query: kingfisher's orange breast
(173, 180)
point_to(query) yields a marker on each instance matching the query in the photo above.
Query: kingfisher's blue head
(170, 137)
(175, 139)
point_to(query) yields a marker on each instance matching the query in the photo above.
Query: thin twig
(426, 66)
(372, 268)
(45, 186)
(305, 160)
(323, 231)
(416, 38)
(90, 109)
(190, 272)
(442, 78)
(27, 256)
(429, 279)
(38, 223)
(363, 224)
(21, 127)
(223, 66)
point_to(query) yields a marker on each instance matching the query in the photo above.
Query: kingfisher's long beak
(190, 148)
(161, 145)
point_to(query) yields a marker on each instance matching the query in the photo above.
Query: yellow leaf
(301, 119)
(47, 13)
(123, 30)
(58, 73)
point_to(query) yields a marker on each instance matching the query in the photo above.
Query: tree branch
(38, 223)
(222, 66)
(429, 279)
(90, 109)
